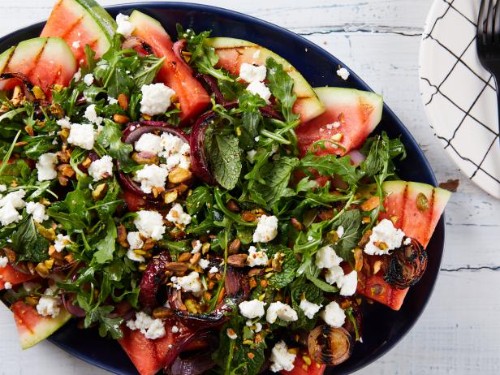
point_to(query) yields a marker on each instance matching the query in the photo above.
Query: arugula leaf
(107, 246)
(281, 86)
(199, 198)
(224, 158)
(150, 65)
(110, 139)
(28, 244)
(329, 165)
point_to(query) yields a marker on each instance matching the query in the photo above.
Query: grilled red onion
(77, 311)
(151, 280)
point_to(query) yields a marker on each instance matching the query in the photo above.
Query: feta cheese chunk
(310, 309)
(334, 274)
(9, 206)
(133, 256)
(7, 285)
(15, 198)
(3, 262)
(267, 229)
(101, 168)
(343, 73)
(281, 358)
(281, 310)
(82, 135)
(190, 283)
(61, 242)
(91, 115)
(333, 315)
(177, 215)
(326, 257)
(64, 123)
(196, 247)
(150, 224)
(204, 263)
(124, 26)
(48, 306)
(384, 238)
(156, 98)
(176, 152)
(151, 176)
(150, 143)
(252, 309)
(151, 328)
(259, 88)
(37, 211)
(46, 166)
(256, 258)
(88, 79)
(251, 73)
(348, 284)
(134, 240)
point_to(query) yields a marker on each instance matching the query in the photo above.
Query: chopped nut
(157, 190)
(123, 101)
(358, 259)
(64, 155)
(254, 272)
(184, 257)
(170, 196)
(38, 92)
(364, 240)
(277, 262)
(100, 191)
(32, 300)
(145, 158)
(56, 110)
(263, 283)
(237, 260)
(250, 355)
(122, 236)
(69, 258)
(10, 254)
(42, 270)
(192, 306)
(49, 263)
(162, 313)
(232, 206)
(149, 243)
(248, 216)
(17, 96)
(176, 267)
(252, 283)
(377, 266)
(370, 204)
(235, 246)
(49, 234)
(120, 119)
(179, 175)
(86, 163)
(205, 248)
(422, 202)
(66, 170)
(195, 258)
(296, 224)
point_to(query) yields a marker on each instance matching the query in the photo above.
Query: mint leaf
(351, 222)
(28, 244)
(224, 157)
(289, 266)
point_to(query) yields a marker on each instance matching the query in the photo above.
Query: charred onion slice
(151, 280)
(329, 346)
(199, 161)
(406, 265)
(24, 81)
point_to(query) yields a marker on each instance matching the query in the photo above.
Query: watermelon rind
(5, 57)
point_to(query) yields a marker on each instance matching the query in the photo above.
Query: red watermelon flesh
(11, 275)
(32, 327)
(350, 116)
(175, 73)
(415, 208)
(44, 61)
(81, 23)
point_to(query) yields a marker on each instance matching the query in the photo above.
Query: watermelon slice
(44, 61)
(350, 116)
(414, 208)
(81, 23)
(9, 274)
(234, 52)
(32, 327)
(175, 73)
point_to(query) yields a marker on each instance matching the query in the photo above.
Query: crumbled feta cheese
(37, 211)
(190, 283)
(151, 176)
(3, 262)
(343, 73)
(175, 151)
(150, 224)
(88, 79)
(78, 75)
(256, 258)
(82, 135)
(124, 26)
(348, 284)
(196, 247)
(46, 166)
(61, 242)
(112, 100)
(267, 229)
(178, 216)
(252, 309)
(251, 156)
(334, 274)
(204, 263)
(133, 256)
(384, 238)
(134, 240)
(156, 98)
(326, 257)
(7, 285)
(259, 88)
(310, 309)
(9, 214)
(101, 168)
(150, 143)
(64, 123)
(280, 310)
(3, 188)
(175, 329)
(151, 328)
(48, 306)
(231, 334)
(251, 73)
(91, 115)
(281, 358)
(407, 241)
(213, 270)
(333, 315)
(15, 198)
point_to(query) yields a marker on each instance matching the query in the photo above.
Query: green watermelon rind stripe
(102, 18)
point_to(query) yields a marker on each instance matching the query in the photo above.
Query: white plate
(459, 94)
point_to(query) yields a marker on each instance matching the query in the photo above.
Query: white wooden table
(459, 332)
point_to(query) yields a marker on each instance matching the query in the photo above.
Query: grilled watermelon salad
(196, 199)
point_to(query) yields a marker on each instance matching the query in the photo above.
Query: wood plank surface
(459, 332)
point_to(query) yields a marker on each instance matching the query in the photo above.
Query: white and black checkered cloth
(459, 94)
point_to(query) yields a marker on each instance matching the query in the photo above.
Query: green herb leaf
(281, 86)
(28, 244)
